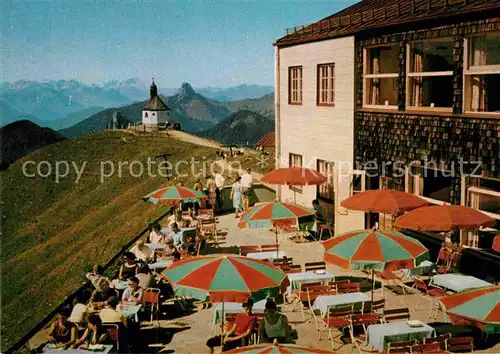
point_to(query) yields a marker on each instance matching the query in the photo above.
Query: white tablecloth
(157, 246)
(266, 255)
(120, 284)
(234, 307)
(379, 335)
(307, 277)
(107, 348)
(322, 302)
(160, 265)
(129, 311)
(459, 282)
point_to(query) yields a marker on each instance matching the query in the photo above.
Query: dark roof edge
(281, 43)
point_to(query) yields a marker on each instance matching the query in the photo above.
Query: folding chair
(209, 231)
(326, 227)
(312, 266)
(151, 300)
(400, 347)
(430, 292)
(373, 306)
(430, 348)
(363, 321)
(269, 248)
(301, 296)
(395, 315)
(461, 344)
(244, 250)
(294, 268)
(389, 277)
(336, 318)
(442, 340)
(348, 288)
(114, 333)
(312, 294)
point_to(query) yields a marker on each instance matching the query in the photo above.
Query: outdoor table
(162, 264)
(379, 335)
(267, 255)
(458, 282)
(120, 284)
(323, 302)
(156, 246)
(426, 267)
(234, 307)
(184, 230)
(107, 348)
(296, 279)
(129, 311)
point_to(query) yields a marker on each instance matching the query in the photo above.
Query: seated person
(62, 333)
(319, 218)
(177, 236)
(171, 252)
(101, 294)
(175, 219)
(95, 333)
(238, 334)
(129, 268)
(95, 275)
(133, 293)
(109, 314)
(191, 244)
(274, 325)
(80, 310)
(146, 278)
(142, 251)
(156, 236)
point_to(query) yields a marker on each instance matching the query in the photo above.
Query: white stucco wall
(316, 132)
(155, 117)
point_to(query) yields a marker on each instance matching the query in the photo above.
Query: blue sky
(217, 43)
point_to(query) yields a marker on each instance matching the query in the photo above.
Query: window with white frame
(430, 75)
(358, 182)
(484, 194)
(433, 184)
(326, 84)
(482, 73)
(295, 160)
(295, 85)
(325, 190)
(381, 76)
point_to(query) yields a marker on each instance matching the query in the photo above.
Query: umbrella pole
(222, 325)
(277, 250)
(373, 283)
(294, 195)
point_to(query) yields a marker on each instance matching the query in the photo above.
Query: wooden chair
(282, 262)
(348, 288)
(206, 212)
(294, 268)
(431, 293)
(363, 321)
(461, 344)
(209, 231)
(269, 248)
(301, 296)
(394, 315)
(326, 227)
(430, 348)
(400, 347)
(151, 300)
(373, 306)
(312, 266)
(339, 282)
(388, 278)
(244, 250)
(312, 294)
(442, 340)
(337, 318)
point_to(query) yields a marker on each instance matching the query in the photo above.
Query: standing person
(319, 218)
(212, 193)
(219, 185)
(236, 196)
(238, 333)
(246, 181)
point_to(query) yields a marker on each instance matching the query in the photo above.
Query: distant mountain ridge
(241, 128)
(22, 137)
(192, 110)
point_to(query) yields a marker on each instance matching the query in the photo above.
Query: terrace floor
(188, 333)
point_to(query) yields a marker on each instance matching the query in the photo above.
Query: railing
(21, 343)
(385, 13)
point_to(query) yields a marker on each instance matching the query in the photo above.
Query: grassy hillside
(263, 105)
(52, 231)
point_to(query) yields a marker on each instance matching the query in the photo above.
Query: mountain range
(192, 110)
(46, 102)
